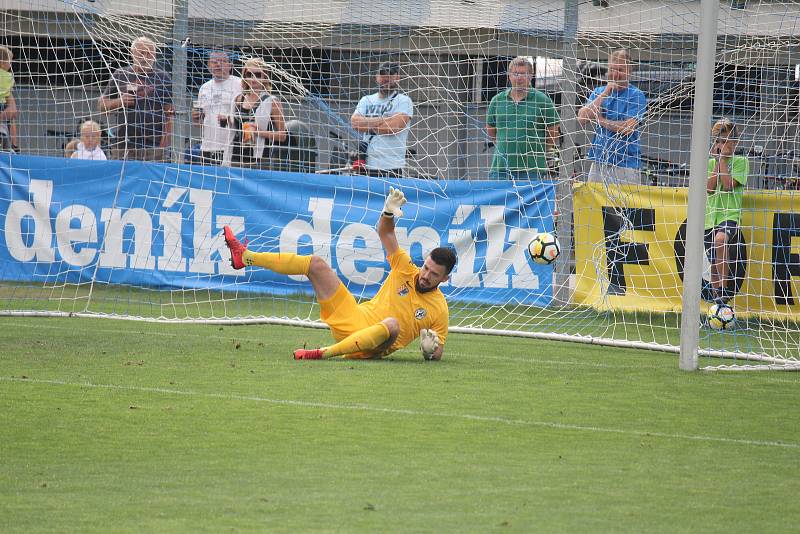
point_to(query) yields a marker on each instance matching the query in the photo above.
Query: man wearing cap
(384, 118)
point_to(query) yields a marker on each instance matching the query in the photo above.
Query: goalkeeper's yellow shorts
(344, 316)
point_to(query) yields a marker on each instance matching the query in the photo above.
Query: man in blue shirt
(615, 110)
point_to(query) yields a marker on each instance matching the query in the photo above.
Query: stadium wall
(448, 131)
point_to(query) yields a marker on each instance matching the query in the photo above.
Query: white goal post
(138, 236)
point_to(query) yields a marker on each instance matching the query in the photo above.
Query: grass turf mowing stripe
(399, 411)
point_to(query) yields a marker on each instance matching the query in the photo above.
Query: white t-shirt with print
(215, 98)
(95, 154)
(386, 151)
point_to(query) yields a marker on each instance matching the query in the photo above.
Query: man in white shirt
(89, 146)
(213, 107)
(385, 118)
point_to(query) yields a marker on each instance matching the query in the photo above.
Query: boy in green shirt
(727, 177)
(523, 124)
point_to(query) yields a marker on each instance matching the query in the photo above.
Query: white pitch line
(400, 411)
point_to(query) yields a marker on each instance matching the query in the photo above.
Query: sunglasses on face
(254, 74)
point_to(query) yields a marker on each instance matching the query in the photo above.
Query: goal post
(134, 238)
(701, 121)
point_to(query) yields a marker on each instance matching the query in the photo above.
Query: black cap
(389, 67)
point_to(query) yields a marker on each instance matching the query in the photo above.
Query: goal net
(485, 165)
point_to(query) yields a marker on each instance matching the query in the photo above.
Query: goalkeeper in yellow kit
(408, 304)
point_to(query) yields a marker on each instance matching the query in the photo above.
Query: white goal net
(486, 161)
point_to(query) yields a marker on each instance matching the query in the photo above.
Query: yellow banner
(630, 240)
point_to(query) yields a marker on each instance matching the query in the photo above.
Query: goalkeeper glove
(394, 201)
(428, 342)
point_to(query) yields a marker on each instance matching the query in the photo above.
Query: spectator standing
(385, 120)
(727, 177)
(256, 117)
(8, 105)
(140, 95)
(523, 124)
(214, 102)
(89, 145)
(616, 111)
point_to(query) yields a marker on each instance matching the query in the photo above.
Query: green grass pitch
(116, 426)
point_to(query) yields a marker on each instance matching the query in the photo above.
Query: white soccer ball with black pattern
(544, 248)
(721, 317)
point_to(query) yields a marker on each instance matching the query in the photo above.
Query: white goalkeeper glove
(394, 201)
(428, 342)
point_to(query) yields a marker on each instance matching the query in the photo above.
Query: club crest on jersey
(420, 313)
(403, 291)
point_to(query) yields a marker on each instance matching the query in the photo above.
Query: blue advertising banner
(160, 225)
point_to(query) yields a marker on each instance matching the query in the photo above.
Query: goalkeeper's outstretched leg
(323, 278)
(279, 262)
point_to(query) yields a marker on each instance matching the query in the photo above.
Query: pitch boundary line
(402, 411)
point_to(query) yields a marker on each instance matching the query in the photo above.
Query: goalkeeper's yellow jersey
(398, 298)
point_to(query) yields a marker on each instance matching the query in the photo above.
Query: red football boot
(308, 354)
(236, 248)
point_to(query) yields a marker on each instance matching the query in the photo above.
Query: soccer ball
(544, 248)
(721, 317)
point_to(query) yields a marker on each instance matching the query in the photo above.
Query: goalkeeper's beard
(423, 289)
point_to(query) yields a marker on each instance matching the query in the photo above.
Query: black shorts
(729, 227)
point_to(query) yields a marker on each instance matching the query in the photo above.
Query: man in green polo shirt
(523, 124)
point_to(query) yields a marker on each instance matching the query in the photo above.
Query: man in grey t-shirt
(385, 118)
(140, 96)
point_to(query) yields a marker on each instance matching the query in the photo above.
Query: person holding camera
(214, 101)
(140, 96)
(256, 117)
(727, 178)
(385, 119)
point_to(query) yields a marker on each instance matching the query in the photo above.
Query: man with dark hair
(385, 118)
(408, 304)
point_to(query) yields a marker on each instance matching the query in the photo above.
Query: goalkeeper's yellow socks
(365, 340)
(279, 262)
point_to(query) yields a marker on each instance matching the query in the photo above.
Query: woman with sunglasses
(256, 118)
